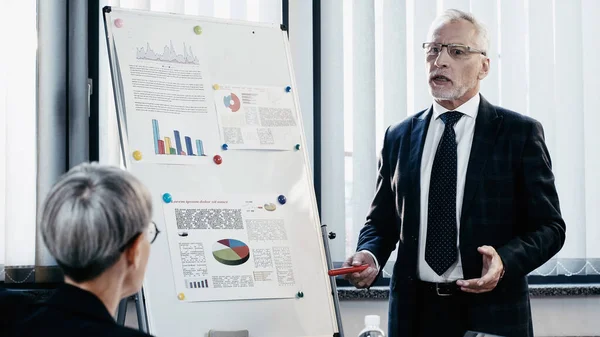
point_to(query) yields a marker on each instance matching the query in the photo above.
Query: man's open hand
(492, 271)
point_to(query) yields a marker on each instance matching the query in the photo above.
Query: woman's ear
(133, 253)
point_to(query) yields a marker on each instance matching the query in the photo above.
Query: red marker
(347, 270)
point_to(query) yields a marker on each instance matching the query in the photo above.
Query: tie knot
(451, 117)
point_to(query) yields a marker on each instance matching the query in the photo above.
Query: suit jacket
(510, 203)
(70, 311)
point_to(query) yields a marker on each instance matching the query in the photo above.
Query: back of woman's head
(89, 216)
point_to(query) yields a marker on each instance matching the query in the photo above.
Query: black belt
(440, 289)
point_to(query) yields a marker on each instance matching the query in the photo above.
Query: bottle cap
(372, 320)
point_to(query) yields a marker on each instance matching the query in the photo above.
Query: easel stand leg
(141, 311)
(336, 300)
(122, 311)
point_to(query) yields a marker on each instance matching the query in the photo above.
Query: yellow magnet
(181, 296)
(137, 155)
(198, 30)
(216, 86)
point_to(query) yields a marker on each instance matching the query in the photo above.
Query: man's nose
(443, 58)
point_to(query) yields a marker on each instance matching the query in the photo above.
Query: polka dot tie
(440, 247)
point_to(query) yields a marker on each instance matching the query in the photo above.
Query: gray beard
(450, 95)
(454, 93)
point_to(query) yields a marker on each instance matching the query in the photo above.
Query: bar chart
(175, 146)
(196, 283)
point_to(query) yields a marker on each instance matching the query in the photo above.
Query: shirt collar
(468, 108)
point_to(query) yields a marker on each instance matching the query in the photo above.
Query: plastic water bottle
(372, 328)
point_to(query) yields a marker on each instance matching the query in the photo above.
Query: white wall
(552, 316)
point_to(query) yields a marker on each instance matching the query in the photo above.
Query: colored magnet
(167, 198)
(217, 159)
(198, 30)
(270, 207)
(119, 23)
(281, 199)
(225, 146)
(288, 89)
(297, 147)
(216, 86)
(181, 296)
(300, 294)
(137, 155)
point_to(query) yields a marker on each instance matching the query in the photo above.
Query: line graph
(169, 54)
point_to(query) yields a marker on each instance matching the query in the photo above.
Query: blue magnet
(225, 146)
(281, 199)
(167, 198)
(288, 89)
(297, 147)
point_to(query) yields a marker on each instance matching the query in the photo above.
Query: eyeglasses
(152, 233)
(455, 50)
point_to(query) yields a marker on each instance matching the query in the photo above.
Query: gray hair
(453, 15)
(90, 214)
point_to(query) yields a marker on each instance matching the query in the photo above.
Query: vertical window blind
(18, 130)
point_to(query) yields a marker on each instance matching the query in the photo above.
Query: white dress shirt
(464, 129)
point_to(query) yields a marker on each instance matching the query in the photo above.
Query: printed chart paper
(257, 117)
(228, 248)
(170, 115)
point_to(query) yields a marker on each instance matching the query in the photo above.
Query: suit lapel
(487, 126)
(420, 124)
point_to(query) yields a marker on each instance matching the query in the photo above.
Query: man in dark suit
(466, 190)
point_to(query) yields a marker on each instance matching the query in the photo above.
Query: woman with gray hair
(97, 223)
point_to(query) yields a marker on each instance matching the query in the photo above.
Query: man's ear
(485, 68)
(133, 253)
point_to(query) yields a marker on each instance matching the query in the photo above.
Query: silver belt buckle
(437, 290)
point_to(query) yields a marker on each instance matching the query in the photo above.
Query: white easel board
(241, 245)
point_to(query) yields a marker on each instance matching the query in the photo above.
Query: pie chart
(232, 102)
(231, 252)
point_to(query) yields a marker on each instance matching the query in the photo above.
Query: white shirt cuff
(374, 258)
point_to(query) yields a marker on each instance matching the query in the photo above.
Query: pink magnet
(119, 23)
(217, 159)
